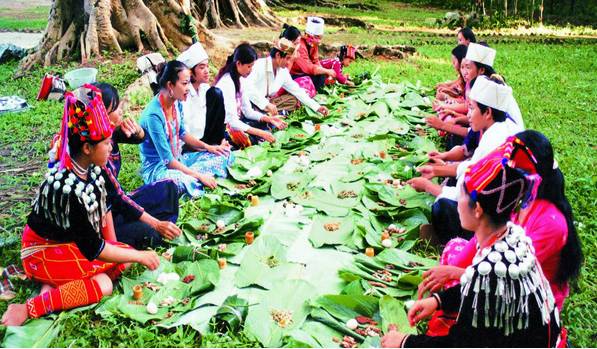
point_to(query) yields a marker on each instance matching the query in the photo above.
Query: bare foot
(15, 315)
(45, 288)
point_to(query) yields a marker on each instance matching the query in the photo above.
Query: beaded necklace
(173, 139)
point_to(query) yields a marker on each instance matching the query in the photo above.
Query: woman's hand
(435, 122)
(278, 123)
(419, 184)
(392, 339)
(149, 259)
(349, 83)
(207, 180)
(218, 150)
(268, 137)
(130, 127)
(422, 309)
(323, 111)
(271, 109)
(168, 230)
(435, 278)
(331, 72)
(427, 171)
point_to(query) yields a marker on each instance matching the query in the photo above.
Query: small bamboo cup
(249, 237)
(137, 292)
(370, 252)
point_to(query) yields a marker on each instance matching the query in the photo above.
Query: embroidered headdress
(348, 51)
(480, 54)
(84, 116)
(314, 26)
(285, 45)
(515, 155)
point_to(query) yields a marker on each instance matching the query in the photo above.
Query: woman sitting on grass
(306, 63)
(453, 90)
(161, 152)
(547, 220)
(487, 104)
(245, 126)
(466, 36)
(504, 299)
(159, 199)
(346, 56)
(68, 244)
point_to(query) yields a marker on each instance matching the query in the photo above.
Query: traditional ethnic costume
(240, 115)
(543, 223)
(307, 56)
(336, 64)
(504, 299)
(63, 235)
(277, 87)
(204, 113)
(444, 215)
(164, 144)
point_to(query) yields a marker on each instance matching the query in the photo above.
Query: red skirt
(56, 263)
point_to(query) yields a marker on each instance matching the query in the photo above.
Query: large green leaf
(332, 231)
(285, 185)
(324, 201)
(282, 310)
(264, 263)
(392, 311)
(346, 307)
(37, 333)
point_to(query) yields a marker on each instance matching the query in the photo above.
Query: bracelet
(404, 341)
(438, 300)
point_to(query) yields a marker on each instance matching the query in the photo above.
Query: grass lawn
(17, 19)
(554, 84)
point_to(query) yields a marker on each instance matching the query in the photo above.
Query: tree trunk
(541, 13)
(85, 28)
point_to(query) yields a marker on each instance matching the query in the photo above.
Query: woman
(245, 126)
(306, 62)
(453, 90)
(504, 297)
(345, 58)
(67, 244)
(159, 199)
(547, 220)
(161, 151)
(466, 36)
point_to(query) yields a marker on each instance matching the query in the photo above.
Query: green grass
(553, 81)
(34, 19)
(390, 14)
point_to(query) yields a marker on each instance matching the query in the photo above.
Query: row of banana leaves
(314, 201)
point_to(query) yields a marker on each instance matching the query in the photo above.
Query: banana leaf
(231, 314)
(37, 333)
(332, 231)
(281, 311)
(380, 108)
(358, 109)
(324, 201)
(401, 197)
(313, 334)
(285, 185)
(392, 311)
(264, 263)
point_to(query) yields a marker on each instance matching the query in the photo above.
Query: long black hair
(552, 189)
(167, 72)
(459, 52)
(110, 96)
(468, 34)
(290, 32)
(243, 53)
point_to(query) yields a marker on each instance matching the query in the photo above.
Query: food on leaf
(188, 279)
(387, 243)
(331, 226)
(152, 308)
(352, 324)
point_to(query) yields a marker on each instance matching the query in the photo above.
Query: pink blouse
(336, 65)
(548, 229)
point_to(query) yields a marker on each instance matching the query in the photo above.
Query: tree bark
(83, 29)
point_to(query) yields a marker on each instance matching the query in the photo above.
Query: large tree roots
(84, 29)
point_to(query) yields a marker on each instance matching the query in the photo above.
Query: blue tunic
(156, 152)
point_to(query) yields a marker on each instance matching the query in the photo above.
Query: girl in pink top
(345, 58)
(547, 220)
